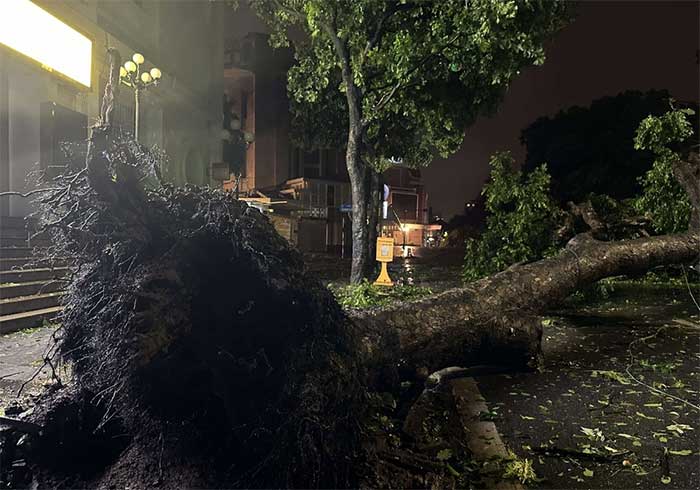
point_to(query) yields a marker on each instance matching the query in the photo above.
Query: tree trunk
(360, 232)
(357, 170)
(687, 173)
(495, 318)
(373, 210)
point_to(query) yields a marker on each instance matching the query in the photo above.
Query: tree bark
(357, 173)
(357, 170)
(495, 318)
(687, 173)
(373, 210)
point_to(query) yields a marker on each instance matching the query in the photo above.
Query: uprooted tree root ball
(192, 324)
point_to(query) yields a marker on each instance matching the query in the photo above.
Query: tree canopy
(424, 70)
(590, 149)
(407, 77)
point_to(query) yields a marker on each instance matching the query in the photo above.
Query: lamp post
(133, 76)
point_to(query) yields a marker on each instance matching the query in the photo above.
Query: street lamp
(133, 76)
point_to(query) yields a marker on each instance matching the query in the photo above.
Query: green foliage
(418, 72)
(367, 295)
(663, 199)
(519, 469)
(521, 221)
(401, 80)
(597, 291)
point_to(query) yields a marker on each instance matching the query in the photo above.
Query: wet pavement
(583, 421)
(21, 356)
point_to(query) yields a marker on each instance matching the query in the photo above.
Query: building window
(307, 164)
(312, 164)
(405, 205)
(330, 196)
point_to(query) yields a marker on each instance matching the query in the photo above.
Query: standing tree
(413, 74)
(591, 149)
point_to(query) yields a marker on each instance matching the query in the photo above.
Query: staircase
(30, 287)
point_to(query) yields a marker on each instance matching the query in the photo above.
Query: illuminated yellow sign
(34, 32)
(385, 253)
(385, 249)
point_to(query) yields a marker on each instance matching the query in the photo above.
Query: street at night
(350, 244)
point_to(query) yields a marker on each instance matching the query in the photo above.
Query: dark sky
(609, 48)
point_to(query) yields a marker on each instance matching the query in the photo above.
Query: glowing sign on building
(33, 32)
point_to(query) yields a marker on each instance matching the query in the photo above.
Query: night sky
(609, 48)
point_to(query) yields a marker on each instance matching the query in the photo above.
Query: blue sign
(345, 208)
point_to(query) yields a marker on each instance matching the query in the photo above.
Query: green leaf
(588, 473)
(644, 416)
(451, 469)
(444, 454)
(665, 480)
(681, 452)
(679, 429)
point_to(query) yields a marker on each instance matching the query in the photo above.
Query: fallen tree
(497, 317)
(205, 355)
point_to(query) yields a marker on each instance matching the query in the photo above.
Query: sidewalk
(21, 354)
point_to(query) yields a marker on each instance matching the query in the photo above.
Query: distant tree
(590, 149)
(411, 75)
(663, 199)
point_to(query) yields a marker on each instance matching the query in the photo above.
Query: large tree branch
(96, 161)
(497, 315)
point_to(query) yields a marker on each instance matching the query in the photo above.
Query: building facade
(306, 193)
(205, 50)
(40, 107)
(408, 220)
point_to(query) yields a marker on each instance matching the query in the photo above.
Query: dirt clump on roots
(199, 344)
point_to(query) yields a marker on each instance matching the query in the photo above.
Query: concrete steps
(14, 263)
(19, 304)
(15, 252)
(30, 286)
(14, 290)
(26, 275)
(12, 232)
(28, 319)
(10, 241)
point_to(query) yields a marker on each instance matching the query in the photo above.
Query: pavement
(21, 355)
(584, 421)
